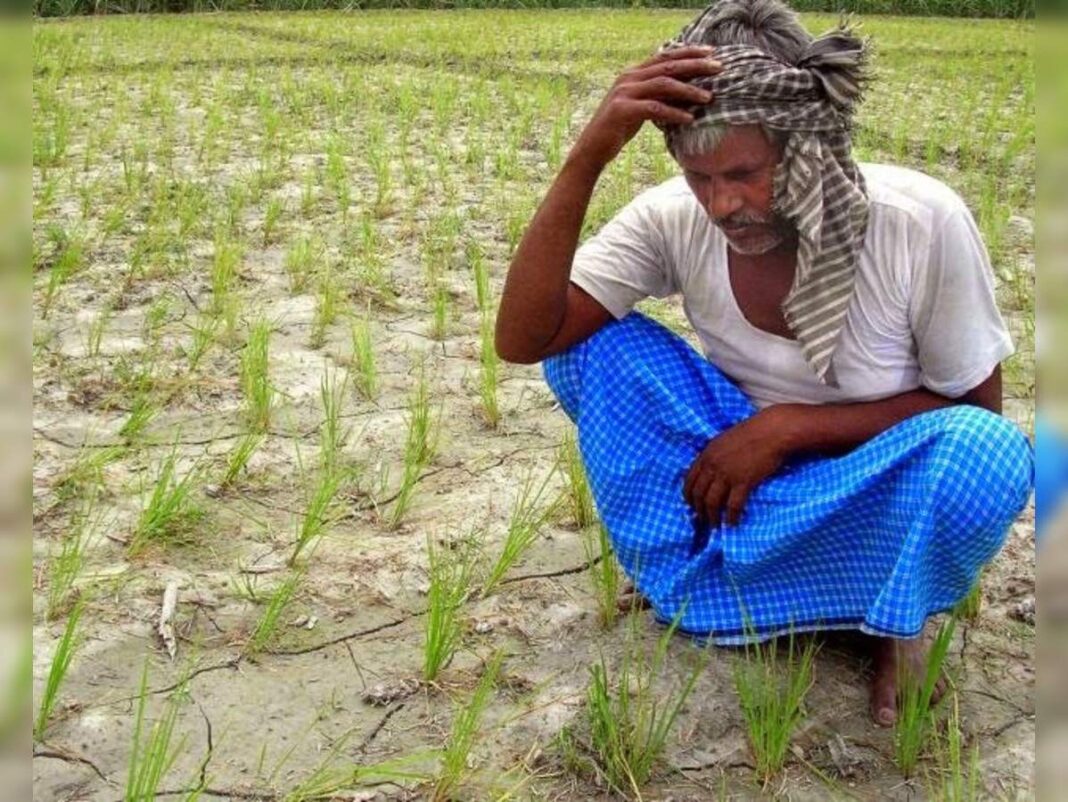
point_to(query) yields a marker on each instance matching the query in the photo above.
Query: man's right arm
(541, 312)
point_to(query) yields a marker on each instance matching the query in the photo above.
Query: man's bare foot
(888, 654)
(630, 599)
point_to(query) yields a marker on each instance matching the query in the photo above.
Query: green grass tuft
(450, 574)
(529, 516)
(169, 513)
(61, 660)
(465, 726)
(255, 377)
(772, 698)
(916, 715)
(630, 719)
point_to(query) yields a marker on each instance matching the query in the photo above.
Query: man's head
(733, 180)
(731, 168)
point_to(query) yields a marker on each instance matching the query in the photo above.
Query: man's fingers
(663, 113)
(701, 482)
(714, 499)
(736, 504)
(668, 90)
(691, 479)
(683, 69)
(688, 51)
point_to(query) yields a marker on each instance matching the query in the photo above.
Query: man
(836, 457)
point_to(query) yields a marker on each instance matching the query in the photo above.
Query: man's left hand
(733, 463)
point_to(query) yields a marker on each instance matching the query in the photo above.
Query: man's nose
(723, 200)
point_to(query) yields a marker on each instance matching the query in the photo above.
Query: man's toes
(883, 702)
(885, 716)
(631, 601)
(939, 690)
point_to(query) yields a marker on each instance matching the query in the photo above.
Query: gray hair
(769, 25)
(697, 140)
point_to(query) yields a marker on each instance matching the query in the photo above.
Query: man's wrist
(583, 163)
(786, 422)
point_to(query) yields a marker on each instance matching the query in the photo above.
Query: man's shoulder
(896, 192)
(670, 194)
(670, 207)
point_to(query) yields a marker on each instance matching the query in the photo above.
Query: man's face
(734, 184)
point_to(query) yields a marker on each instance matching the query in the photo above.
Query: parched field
(267, 256)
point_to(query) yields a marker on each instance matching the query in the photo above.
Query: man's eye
(739, 175)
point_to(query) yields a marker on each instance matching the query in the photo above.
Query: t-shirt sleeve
(625, 261)
(959, 332)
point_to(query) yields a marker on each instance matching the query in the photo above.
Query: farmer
(836, 457)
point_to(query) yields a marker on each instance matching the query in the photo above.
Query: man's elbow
(512, 352)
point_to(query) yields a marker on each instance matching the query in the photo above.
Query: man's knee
(564, 371)
(986, 448)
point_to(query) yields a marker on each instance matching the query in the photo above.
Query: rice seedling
(371, 277)
(332, 435)
(378, 159)
(236, 200)
(327, 780)
(231, 321)
(299, 262)
(65, 650)
(450, 573)
(204, 330)
(363, 359)
(245, 587)
(142, 413)
(152, 754)
(956, 776)
(629, 719)
(554, 147)
(604, 572)
(95, 335)
(267, 627)
(528, 517)
(224, 266)
(169, 512)
(516, 223)
(455, 759)
(271, 217)
(65, 565)
(489, 361)
(255, 377)
(69, 259)
(506, 161)
(915, 713)
(969, 607)
(307, 193)
(313, 524)
(155, 319)
(772, 698)
(440, 300)
(86, 473)
(419, 446)
(579, 496)
(238, 458)
(480, 272)
(328, 302)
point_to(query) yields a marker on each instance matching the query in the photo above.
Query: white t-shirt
(923, 311)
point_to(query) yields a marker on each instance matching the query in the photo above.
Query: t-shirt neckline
(732, 301)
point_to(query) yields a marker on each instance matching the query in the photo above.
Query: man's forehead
(741, 146)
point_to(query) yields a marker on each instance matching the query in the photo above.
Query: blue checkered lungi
(877, 540)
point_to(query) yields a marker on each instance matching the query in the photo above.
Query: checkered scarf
(817, 184)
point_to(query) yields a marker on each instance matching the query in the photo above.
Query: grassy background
(1005, 9)
(209, 185)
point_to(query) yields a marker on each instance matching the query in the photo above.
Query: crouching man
(836, 457)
